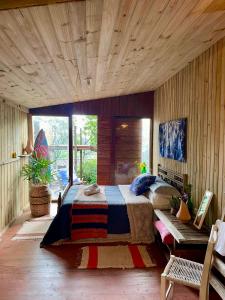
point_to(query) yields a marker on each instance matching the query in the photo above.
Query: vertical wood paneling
(198, 93)
(14, 191)
(105, 151)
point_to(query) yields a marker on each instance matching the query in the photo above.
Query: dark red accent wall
(136, 105)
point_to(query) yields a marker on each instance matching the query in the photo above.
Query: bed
(130, 218)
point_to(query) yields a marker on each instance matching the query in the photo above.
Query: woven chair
(189, 273)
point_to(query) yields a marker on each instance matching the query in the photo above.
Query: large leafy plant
(38, 170)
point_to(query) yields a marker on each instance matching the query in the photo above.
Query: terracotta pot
(183, 213)
(29, 147)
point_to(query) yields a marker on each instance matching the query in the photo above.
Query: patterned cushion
(142, 183)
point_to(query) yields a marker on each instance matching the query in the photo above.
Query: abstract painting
(172, 139)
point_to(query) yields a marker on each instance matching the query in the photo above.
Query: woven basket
(38, 210)
(39, 191)
(40, 198)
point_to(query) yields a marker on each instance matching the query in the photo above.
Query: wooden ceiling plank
(13, 4)
(44, 23)
(77, 17)
(61, 22)
(27, 26)
(174, 39)
(158, 40)
(28, 67)
(134, 17)
(15, 35)
(190, 39)
(210, 6)
(93, 27)
(109, 17)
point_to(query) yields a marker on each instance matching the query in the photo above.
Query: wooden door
(127, 148)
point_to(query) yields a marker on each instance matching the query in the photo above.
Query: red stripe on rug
(93, 257)
(136, 256)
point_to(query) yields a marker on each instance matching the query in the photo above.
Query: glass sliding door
(131, 147)
(85, 148)
(57, 133)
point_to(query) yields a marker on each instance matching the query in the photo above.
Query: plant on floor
(38, 172)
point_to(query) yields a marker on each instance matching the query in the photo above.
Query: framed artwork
(172, 139)
(203, 208)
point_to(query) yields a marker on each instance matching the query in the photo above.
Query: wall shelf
(9, 161)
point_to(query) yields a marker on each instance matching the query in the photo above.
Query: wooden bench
(184, 234)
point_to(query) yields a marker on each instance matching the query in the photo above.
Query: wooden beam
(71, 149)
(12, 4)
(30, 128)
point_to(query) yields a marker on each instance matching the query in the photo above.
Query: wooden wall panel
(105, 151)
(198, 93)
(14, 191)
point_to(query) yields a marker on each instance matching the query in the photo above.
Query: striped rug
(118, 257)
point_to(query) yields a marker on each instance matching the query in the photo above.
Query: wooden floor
(29, 272)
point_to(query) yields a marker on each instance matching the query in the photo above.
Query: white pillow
(164, 188)
(159, 201)
(161, 193)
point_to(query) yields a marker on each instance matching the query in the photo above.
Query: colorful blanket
(89, 216)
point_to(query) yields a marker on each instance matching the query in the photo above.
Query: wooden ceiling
(81, 50)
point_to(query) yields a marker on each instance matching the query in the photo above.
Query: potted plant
(39, 174)
(174, 204)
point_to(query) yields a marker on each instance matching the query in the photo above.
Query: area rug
(33, 229)
(118, 257)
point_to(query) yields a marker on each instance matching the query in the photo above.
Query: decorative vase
(183, 213)
(29, 147)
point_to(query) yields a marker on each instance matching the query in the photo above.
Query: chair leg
(204, 294)
(170, 290)
(163, 287)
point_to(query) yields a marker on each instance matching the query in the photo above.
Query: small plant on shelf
(174, 204)
(186, 197)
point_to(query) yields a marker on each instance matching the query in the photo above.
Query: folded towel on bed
(92, 189)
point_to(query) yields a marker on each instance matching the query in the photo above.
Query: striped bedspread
(89, 216)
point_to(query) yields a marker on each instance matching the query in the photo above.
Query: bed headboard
(179, 181)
